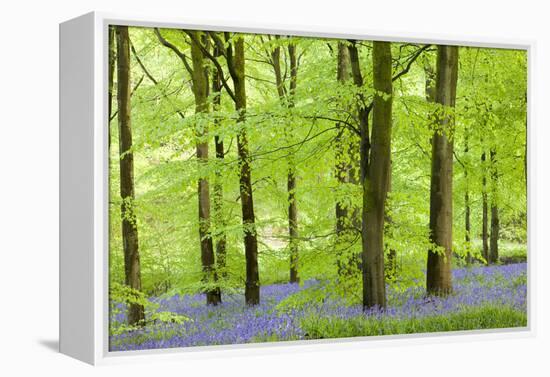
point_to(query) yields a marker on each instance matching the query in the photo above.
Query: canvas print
(269, 188)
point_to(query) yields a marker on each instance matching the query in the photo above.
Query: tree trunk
(495, 222)
(293, 226)
(467, 209)
(485, 212)
(343, 165)
(438, 275)
(291, 170)
(132, 268)
(221, 239)
(112, 58)
(376, 181)
(252, 286)
(362, 110)
(357, 174)
(291, 177)
(467, 228)
(200, 91)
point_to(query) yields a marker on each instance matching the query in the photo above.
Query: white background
(29, 186)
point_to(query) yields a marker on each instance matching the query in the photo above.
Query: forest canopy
(344, 169)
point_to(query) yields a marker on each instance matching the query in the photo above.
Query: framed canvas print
(225, 186)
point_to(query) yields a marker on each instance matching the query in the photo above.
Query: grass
(485, 317)
(484, 297)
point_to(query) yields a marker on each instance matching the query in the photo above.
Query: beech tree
(221, 239)
(132, 267)
(348, 219)
(485, 211)
(232, 49)
(376, 178)
(307, 159)
(199, 76)
(200, 88)
(438, 274)
(286, 96)
(495, 221)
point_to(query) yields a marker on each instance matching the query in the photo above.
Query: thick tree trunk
(376, 181)
(252, 286)
(485, 212)
(200, 91)
(136, 315)
(438, 275)
(495, 221)
(221, 239)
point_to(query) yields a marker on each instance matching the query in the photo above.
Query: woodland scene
(278, 188)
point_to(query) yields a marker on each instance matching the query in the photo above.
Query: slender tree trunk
(485, 212)
(293, 226)
(221, 239)
(291, 177)
(252, 287)
(438, 275)
(132, 268)
(112, 58)
(343, 165)
(362, 111)
(467, 209)
(391, 263)
(467, 228)
(495, 221)
(200, 91)
(291, 170)
(376, 181)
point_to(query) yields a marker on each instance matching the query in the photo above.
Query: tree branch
(410, 62)
(172, 47)
(213, 59)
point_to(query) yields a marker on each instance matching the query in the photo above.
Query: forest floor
(483, 298)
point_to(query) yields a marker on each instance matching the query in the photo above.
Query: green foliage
(121, 296)
(490, 114)
(487, 317)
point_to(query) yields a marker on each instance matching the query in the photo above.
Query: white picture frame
(84, 188)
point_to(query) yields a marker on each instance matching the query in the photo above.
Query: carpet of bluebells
(233, 323)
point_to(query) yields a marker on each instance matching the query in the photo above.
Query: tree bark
(467, 209)
(291, 177)
(233, 50)
(112, 58)
(485, 212)
(291, 170)
(132, 267)
(438, 275)
(495, 221)
(376, 181)
(343, 165)
(391, 262)
(221, 239)
(363, 110)
(237, 69)
(200, 91)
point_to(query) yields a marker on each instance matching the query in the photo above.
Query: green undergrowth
(487, 317)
